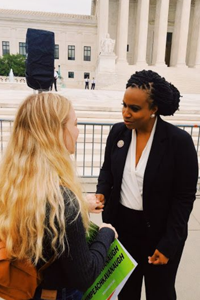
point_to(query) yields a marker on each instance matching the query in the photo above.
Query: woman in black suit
(148, 183)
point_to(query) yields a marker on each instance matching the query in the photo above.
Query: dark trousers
(55, 84)
(159, 280)
(62, 294)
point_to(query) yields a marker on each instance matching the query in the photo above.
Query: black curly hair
(162, 94)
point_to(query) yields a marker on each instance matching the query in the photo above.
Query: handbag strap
(44, 267)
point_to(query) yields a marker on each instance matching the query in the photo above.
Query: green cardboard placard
(118, 267)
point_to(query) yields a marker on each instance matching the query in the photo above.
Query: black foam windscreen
(40, 46)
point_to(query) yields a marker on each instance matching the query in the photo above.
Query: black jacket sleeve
(105, 180)
(80, 264)
(184, 189)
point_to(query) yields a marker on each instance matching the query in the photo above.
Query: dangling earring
(153, 116)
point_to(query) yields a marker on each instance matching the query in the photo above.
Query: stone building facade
(153, 32)
(118, 38)
(75, 40)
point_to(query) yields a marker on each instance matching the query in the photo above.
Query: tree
(16, 62)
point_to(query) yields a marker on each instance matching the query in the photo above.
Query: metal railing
(91, 144)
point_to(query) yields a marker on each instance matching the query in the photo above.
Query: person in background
(86, 83)
(55, 81)
(93, 84)
(43, 213)
(148, 183)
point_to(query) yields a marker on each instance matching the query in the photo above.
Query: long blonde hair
(35, 166)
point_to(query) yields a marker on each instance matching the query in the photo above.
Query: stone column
(197, 26)
(103, 13)
(14, 47)
(180, 33)
(122, 31)
(160, 32)
(141, 32)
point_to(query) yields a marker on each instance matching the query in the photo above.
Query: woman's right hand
(94, 205)
(106, 225)
(101, 198)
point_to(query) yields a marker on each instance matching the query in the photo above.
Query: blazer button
(148, 224)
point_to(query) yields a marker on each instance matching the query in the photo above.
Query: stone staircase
(186, 79)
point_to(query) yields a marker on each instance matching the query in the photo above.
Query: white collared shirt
(132, 180)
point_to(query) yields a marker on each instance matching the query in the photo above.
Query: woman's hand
(158, 258)
(103, 225)
(94, 205)
(101, 198)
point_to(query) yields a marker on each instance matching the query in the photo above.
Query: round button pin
(120, 143)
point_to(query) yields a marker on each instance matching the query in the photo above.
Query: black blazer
(169, 186)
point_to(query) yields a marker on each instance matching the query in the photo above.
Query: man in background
(55, 80)
(86, 83)
(93, 84)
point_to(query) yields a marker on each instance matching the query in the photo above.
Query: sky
(59, 6)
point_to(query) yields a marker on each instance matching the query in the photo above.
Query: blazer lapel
(155, 156)
(121, 151)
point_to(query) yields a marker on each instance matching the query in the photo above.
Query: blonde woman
(42, 210)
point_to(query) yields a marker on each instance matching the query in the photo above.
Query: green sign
(118, 267)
